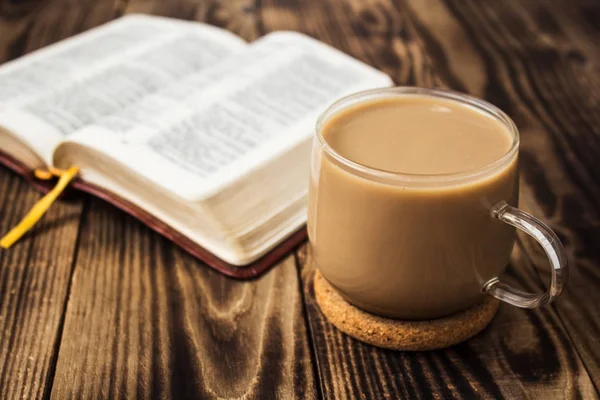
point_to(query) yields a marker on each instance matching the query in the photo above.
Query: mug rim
(412, 178)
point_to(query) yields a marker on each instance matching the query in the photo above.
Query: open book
(201, 135)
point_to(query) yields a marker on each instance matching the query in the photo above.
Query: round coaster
(397, 334)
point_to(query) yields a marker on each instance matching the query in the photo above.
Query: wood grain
(237, 16)
(146, 320)
(541, 69)
(35, 273)
(30, 25)
(523, 353)
(34, 285)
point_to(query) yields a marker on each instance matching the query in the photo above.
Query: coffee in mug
(410, 203)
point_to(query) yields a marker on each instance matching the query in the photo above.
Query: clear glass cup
(421, 246)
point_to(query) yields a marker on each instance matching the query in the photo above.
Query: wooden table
(95, 305)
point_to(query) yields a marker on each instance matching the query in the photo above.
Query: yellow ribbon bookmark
(39, 208)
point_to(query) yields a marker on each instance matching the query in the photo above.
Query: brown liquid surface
(417, 136)
(402, 250)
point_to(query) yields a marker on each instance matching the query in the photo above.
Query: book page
(51, 93)
(197, 136)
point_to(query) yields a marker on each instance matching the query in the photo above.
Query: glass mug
(421, 246)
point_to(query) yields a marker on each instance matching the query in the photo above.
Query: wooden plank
(544, 73)
(28, 26)
(523, 353)
(146, 320)
(35, 273)
(238, 16)
(34, 285)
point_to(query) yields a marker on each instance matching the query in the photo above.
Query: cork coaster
(397, 334)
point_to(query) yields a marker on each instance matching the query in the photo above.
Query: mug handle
(551, 245)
